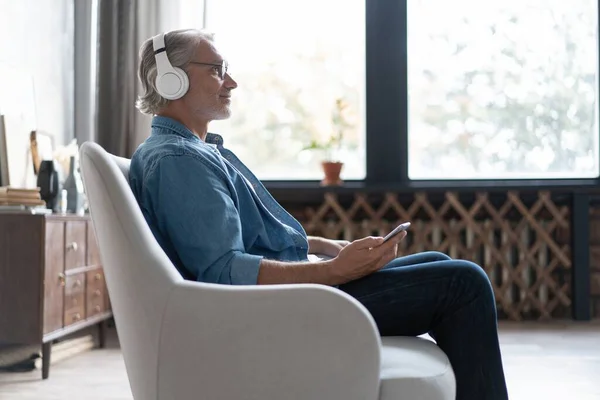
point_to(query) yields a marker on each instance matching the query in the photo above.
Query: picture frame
(18, 154)
(4, 177)
(42, 145)
(19, 118)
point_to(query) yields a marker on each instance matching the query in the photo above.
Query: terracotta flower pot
(332, 172)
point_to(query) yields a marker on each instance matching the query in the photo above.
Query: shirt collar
(178, 128)
(213, 138)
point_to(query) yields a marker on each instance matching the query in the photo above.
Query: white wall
(36, 42)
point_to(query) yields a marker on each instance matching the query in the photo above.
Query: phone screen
(397, 230)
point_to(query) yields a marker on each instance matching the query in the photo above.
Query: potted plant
(332, 166)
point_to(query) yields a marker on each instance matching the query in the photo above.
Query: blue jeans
(453, 301)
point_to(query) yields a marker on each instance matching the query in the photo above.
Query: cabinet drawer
(95, 293)
(74, 299)
(74, 315)
(75, 284)
(54, 277)
(75, 244)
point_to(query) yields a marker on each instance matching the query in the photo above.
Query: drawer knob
(77, 283)
(97, 308)
(62, 279)
(97, 293)
(76, 317)
(72, 246)
(98, 277)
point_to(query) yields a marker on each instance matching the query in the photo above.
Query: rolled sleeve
(195, 211)
(244, 269)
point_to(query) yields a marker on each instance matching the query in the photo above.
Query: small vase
(48, 180)
(74, 187)
(332, 172)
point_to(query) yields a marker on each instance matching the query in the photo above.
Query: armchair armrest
(267, 342)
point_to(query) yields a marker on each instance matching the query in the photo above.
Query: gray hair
(180, 46)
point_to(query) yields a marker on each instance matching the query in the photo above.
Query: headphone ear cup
(173, 84)
(185, 82)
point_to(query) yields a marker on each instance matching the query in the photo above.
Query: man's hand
(363, 257)
(332, 248)
(353, 260)
(328, 247)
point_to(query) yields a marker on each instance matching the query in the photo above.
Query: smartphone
(397, 230)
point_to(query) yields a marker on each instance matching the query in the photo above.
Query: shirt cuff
(244, 269)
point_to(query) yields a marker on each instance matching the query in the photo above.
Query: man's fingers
(392, 242)
(388, 257)
(368, 242)
(382, 260)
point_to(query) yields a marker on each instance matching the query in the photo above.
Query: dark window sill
(567, 185)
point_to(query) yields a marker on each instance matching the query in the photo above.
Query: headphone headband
(171, 83)
(158, 43)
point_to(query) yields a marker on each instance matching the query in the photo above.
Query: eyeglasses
(221, 68)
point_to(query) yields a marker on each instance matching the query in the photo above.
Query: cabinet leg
(46, 350)
(102, 334)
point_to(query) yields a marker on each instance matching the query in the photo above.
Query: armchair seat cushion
(414, 368)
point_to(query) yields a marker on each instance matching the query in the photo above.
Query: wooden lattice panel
(522, 245)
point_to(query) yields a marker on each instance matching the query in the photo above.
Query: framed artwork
(42, 148)
(18, 154)
(17, 107)
(4, 181)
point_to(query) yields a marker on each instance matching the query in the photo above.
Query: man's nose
(230, 83)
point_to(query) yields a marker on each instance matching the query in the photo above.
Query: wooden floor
(542, 361)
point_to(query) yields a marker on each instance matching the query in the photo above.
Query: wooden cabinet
(51, 280)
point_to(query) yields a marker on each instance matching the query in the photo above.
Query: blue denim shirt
(212, 217)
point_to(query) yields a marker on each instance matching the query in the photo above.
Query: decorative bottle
(48, 180)
(74, 187)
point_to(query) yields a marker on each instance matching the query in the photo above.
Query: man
(217, 223)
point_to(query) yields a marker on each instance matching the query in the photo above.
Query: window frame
(387, 114)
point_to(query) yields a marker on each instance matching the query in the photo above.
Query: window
(502, 89)
(292, 61)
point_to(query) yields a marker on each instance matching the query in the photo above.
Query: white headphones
(171, 83)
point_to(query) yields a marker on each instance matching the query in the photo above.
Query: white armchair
(191, 340)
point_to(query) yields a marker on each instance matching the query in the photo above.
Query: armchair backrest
(139, 275)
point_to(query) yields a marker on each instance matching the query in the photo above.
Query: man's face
(209, 95)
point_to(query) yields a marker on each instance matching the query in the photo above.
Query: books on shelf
(11, 196)
(14, 191)
(21, 209)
